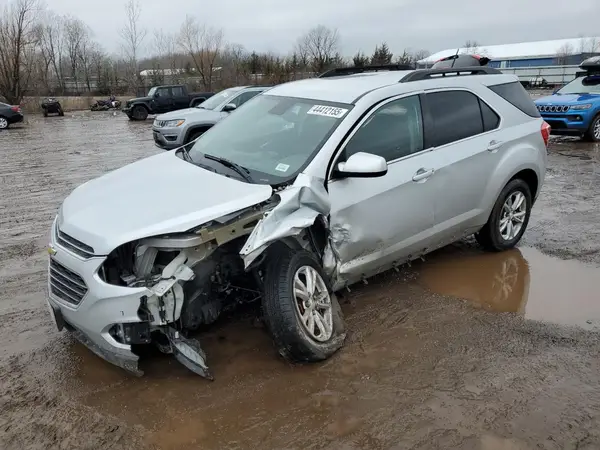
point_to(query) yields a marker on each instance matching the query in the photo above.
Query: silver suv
(307, 189)
(176, 128)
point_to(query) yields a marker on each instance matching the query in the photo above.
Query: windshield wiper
(185, 152)
(245, 173)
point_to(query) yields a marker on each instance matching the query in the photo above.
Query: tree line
(42, 53)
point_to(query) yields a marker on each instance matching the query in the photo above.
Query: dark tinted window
(456, 115)
(163, 92)
(243, 98)
(393, 131)
(491, 120)
(177, 91)
(515, 94)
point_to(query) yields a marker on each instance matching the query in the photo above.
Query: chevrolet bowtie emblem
(51, 250)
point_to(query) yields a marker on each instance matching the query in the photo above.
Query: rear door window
(456, 115)
(515, 94)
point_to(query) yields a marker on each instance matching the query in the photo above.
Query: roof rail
(425, 74)
(341, 71)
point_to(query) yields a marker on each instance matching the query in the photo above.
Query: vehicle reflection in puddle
(524, 281)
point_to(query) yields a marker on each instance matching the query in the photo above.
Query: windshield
(582, 85)
(151, 91)
(218, 99)
(273, 137)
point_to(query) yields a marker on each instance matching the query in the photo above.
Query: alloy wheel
(313, 303)
(513, 215)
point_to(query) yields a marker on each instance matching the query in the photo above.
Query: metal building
(554, 61)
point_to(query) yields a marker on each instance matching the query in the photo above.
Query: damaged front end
(192, 278)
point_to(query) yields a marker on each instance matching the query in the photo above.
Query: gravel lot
(463, 351)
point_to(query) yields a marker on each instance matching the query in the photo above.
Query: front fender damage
(299, 206)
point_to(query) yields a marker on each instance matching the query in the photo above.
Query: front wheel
(593, 132)
(508, 219)
(301, 312)
(139, 113)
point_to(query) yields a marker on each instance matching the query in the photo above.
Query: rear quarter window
(515, 94)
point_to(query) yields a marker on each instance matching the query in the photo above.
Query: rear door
(181, 99)
(466, 135)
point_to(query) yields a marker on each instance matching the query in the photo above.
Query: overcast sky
(274, 25)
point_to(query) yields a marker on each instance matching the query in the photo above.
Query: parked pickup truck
(163, 99)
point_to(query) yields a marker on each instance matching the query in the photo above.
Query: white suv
(311, 187)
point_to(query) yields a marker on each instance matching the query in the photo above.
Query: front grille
(66, 284)
(72, 244)
(553, 108)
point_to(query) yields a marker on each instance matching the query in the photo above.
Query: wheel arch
(195, 128)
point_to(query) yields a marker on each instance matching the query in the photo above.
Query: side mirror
(229, 107)
(361, 165)
(156, 94)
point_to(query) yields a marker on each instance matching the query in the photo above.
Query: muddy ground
(465, 350)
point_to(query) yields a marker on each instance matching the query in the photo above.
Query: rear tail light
(16, 109)
(545, 132)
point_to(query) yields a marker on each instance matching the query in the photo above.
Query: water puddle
(524, 281)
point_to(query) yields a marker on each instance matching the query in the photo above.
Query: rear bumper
(15, 118)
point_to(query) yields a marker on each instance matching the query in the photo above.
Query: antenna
(455, 57)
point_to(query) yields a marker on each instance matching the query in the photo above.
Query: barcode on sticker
(327, 111)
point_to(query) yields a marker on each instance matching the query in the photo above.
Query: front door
(163, 101)
(377, 222)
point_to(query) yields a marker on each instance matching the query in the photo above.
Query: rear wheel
(61, 112)
(508, 219)
(301, 312)
(45, 112)
(139, 113)
(593, 132)
(3, 123)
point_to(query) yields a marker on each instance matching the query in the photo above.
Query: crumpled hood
(193, 115)
(567, 99)
(156, 195)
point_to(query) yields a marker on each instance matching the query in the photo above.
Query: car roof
(339, 89)
(350, 88)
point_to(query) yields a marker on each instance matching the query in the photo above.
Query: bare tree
(319, 47)
(204, 45)
(52, 42)
(18, 38)
(133, 36)
(76, 36)
(563, 53)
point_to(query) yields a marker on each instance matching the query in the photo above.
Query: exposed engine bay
(194, 278)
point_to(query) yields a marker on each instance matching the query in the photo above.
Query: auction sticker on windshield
(327, 111)
(282, 167)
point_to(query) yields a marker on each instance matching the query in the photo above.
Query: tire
(593, 132)
(61, 113)
(3, 123)
(139, 113)
(282, 315)
(45, 113)
(490, 236)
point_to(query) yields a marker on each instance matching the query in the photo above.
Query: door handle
(494, 145)
(422, 174)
